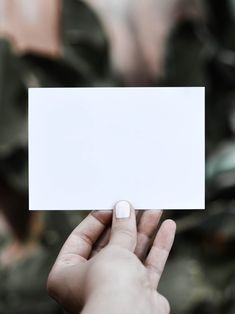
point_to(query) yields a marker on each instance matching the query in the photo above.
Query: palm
(72, 270)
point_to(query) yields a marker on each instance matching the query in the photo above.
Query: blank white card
(91, 147)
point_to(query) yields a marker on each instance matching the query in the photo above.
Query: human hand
(108, 270)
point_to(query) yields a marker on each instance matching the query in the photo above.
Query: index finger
(84, 236)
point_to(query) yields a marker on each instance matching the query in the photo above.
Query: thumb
(123, 230)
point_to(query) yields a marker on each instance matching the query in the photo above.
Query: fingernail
(122, 209)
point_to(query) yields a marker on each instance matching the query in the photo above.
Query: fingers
(146, 229)
(159, 252)
(104, 239)
(123, 230)
(81, 240)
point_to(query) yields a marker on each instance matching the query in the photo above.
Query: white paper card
(90, 147)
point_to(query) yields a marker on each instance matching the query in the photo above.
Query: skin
(103, 269)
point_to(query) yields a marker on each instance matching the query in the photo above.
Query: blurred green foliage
(200, 275)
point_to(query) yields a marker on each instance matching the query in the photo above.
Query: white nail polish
(122, 209)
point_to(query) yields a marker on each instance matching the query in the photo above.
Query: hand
(107, 270)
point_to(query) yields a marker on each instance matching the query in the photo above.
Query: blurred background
(70, 43)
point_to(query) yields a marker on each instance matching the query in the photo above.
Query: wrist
(118, 300)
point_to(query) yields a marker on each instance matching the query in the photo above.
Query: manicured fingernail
(122, 209)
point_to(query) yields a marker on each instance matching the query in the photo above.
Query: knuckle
(154, 269)
(53, 284)
(165, 304)
(129, 234)
(85, 237)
